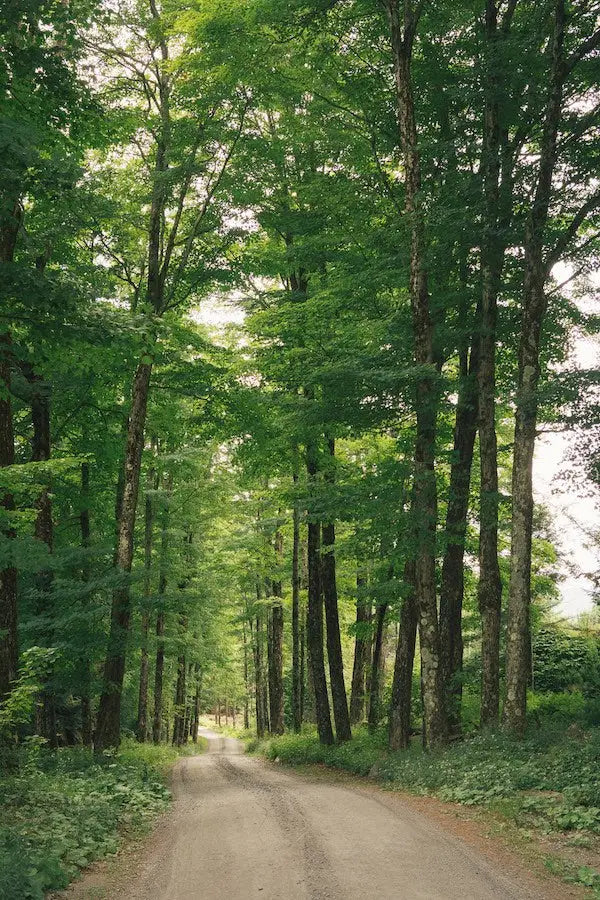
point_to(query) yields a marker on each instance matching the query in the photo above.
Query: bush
(65, 809)
(357, 756)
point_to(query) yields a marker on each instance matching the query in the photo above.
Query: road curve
(242, 829)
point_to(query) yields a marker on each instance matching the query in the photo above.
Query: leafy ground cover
(547, 785)
(63, 810)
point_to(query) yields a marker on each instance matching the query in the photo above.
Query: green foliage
(357, 756)
(66, 809)
(563, 660)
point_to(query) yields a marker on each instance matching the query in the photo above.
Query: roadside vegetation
(62, 811)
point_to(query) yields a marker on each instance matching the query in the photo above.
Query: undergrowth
(62, 810)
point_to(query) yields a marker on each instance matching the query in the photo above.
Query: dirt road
(242, 829)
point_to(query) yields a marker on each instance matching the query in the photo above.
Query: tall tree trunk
(11, 215)
(40, 452)
(296, 661)
(87, 730)
(276, 655)
(453, 582)
(160, 617)
(302, 663)
(314, 615)
(399, 725)
(262, 625)
(9, 653)
(108, 730)
(142, 715)
(260, 720)
(425, 501)
(334, 641)
(362, 642)
(246, 680)
(262, 701)
(489, 592)
(159, 669)
(377, 667)
(533, 310)
(197, 692)
(180, 698)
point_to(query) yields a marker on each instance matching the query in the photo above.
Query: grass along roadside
(63, 810)
(544, 789)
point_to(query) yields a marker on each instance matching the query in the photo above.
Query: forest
(291, 293)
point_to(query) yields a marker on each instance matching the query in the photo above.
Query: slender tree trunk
(160, 618)
(11, 216)
(399, 726)
(262, 703)
(518, 640)
(425, 502)
(142, 716)
(452, 587)
(377, 667)
(260, 724)
(314, 616)
(87, 730)
(198, 689)
(9, 652)
(108, 729)
(276, 656)
(302, 663)
(246, 681)
(362, 641)
(264, 671)
(334, 641)
(180, 697)
(489, 591)
(159, 669)
(44, 532)
(296, 661)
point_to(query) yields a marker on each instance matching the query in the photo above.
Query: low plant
(63, 810)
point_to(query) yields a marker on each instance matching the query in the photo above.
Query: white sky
(576, 516)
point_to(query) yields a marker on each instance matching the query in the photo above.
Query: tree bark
(425, 501)
(158, 677)
(377, 667)
(533, 310)
(314, 615)
(142, 716)
(160, 618)
(246, 681)
(198, 689)
(11, 216)
(40, 452)
(87, 731)
(296, 662)
(180, 700)
(399, 724)
(276, 655)
(362, 642)
(489, 592)
(334, 641)
(453, 582)
(9, 652)
(108, 731)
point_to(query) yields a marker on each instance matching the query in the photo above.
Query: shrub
(62, 810)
